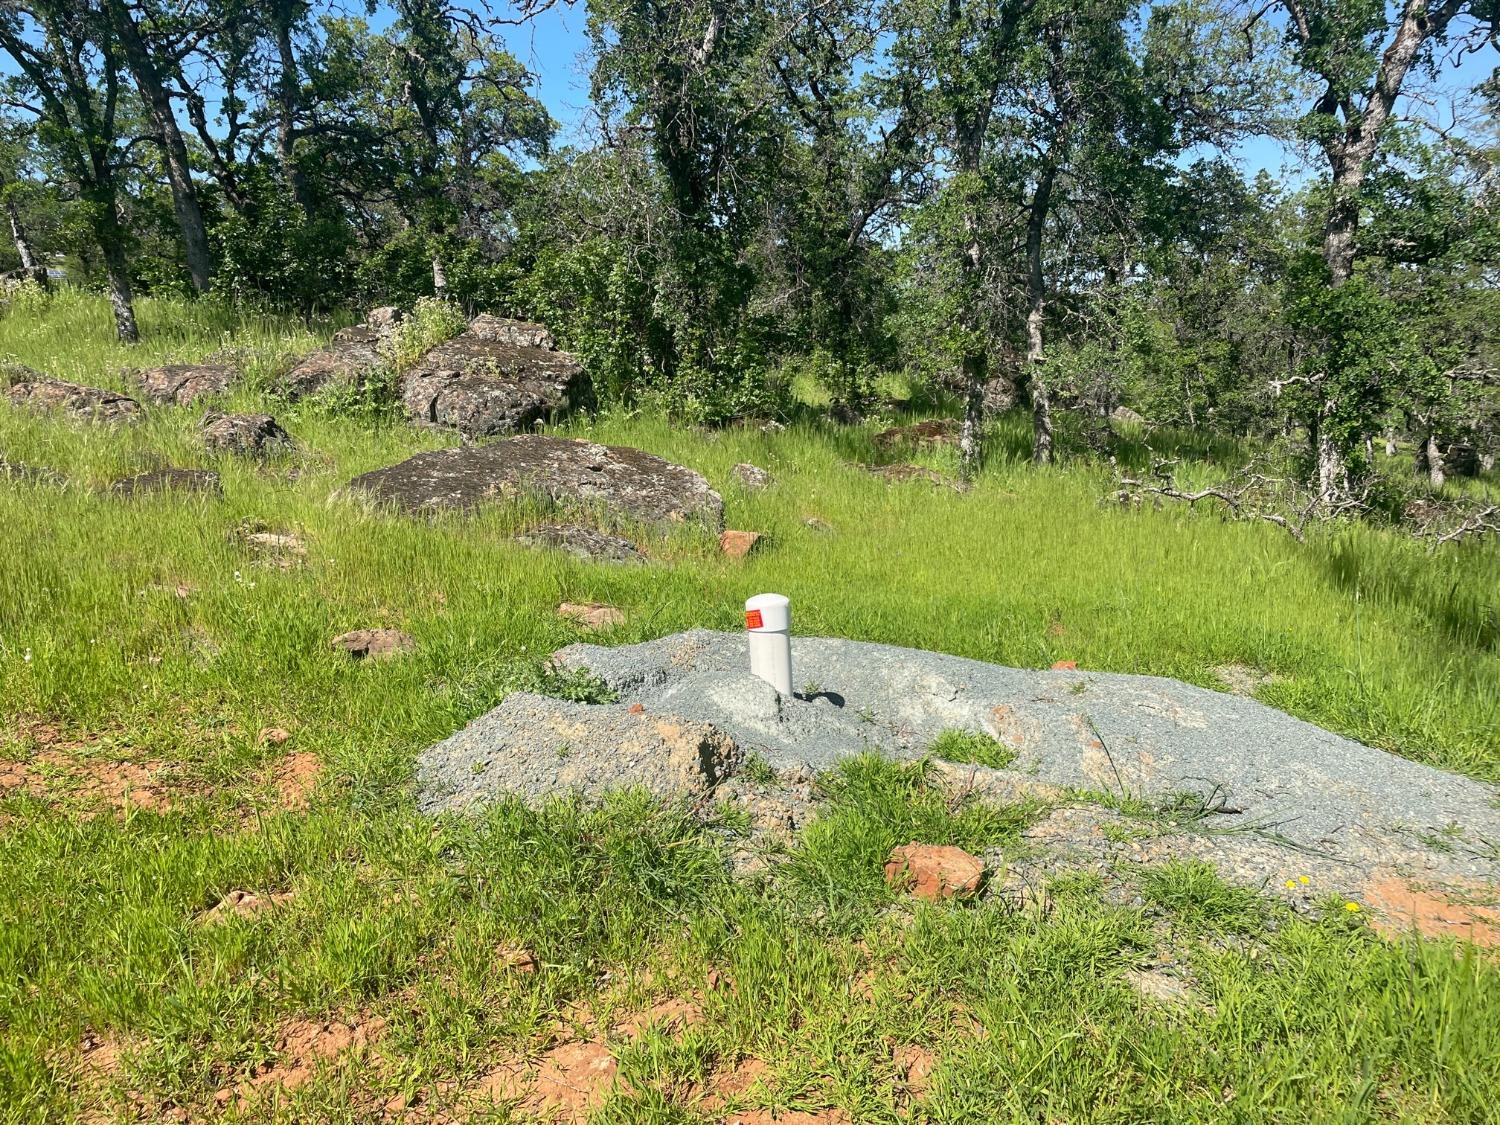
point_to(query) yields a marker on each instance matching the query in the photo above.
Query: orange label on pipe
(753, 619)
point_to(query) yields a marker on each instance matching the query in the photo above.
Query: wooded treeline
(1028, 202)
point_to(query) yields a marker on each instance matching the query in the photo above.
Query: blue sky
(552, 45)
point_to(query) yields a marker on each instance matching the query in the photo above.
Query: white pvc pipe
(768, 619)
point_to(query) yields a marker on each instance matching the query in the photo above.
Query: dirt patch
(55, 775)
(1400, 906)
(301, 1049)
(100, 1057)
(566, 1084)
(671, 1015)
(516, 959)
(790, 1117)
(294, 777)
(915, 1065)
(735, 1083)
(1242, 679)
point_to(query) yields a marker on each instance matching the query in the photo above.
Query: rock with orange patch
(374, 644)
(933, 871)
(242, 904)
(1400, 906)
(592, 617)
(738, 544)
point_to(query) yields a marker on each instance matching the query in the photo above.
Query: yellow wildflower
(1351, 907)
(1303, 879)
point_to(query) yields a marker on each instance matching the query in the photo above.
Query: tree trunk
(1333, 471)
(973, 365)
(118, 272)
(288, 89)
(1390, 443)
(174, 148)
(1349, 156)
(1036, 309)
(439, 277)
(974, 362)
(18, 232)
(1430, 461)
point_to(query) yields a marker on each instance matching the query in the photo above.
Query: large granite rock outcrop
(352, 357)
(1267, 798)
(249, 435)
(179, 384)
(497, 377)
(91, 404)
(626, 485)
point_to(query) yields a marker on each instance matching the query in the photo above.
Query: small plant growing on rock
(431, 322)
(1194, 892)
(971, 748)
(758, 770)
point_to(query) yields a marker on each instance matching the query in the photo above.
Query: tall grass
(147, 631)
(1374, 636)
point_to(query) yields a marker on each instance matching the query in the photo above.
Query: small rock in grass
(245, 434)
(900, 473)
(374, 644)
(1156, 985)
(752, 477)
(282, 543)
(352, 358)
(18, 473)
(738, 544)
(241, 904)
(935, 431)
(516, 959)
(821, 526)
(592, 617)
(933, 871)
(169, 480)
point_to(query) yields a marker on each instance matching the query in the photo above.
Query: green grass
(821, 969)
(971, 748)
